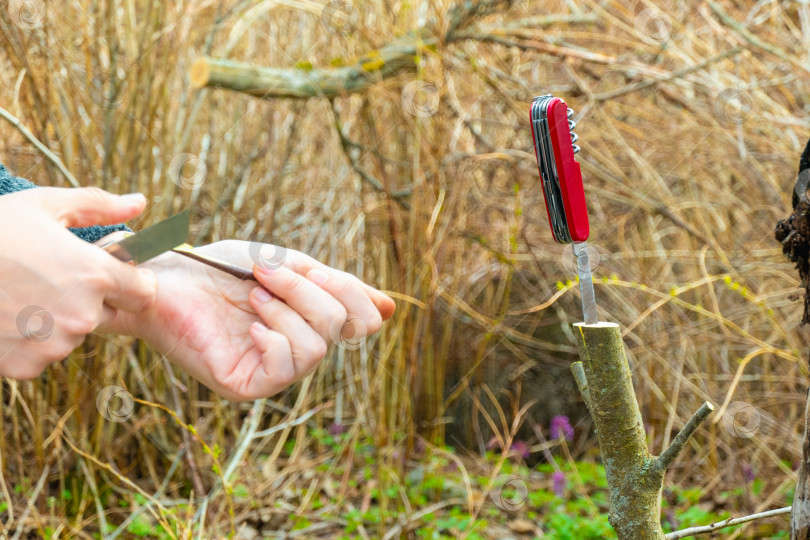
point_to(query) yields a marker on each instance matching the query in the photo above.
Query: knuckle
(79, 325)
(315, 350)
(143, 300)
(337, 316)
(100, 277)
(284, 377)
(294, 282)
(25, 372)
(59, 353)
(273, 309)
(97, 193)
(374, 323)
(348, 286)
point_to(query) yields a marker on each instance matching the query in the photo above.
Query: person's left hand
(240, 341)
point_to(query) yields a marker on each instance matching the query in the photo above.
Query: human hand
(54, 287)
(242, 342)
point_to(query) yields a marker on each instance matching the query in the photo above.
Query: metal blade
(585, 283)
(152, 241)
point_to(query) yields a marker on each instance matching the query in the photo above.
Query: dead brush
(690, 115)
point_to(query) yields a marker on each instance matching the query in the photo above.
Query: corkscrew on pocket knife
(561, 178)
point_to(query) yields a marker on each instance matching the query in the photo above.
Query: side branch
(270, 82)
(582, 383)
(399, 56)
(11, 119)
(692, 531)
(668, 456)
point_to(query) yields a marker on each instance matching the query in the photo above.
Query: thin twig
(102, 520)
(668, 456)
(31, 500)
(247, 435)
(684, 533)
(158, 494)
(196, 478)
(11, 119)
(677, 74)
(746, 34)
(345, 143)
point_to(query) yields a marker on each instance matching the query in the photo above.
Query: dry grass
(684, 188)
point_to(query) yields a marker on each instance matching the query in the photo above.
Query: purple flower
(522, 449)
(748, 472)
(558, 478)
(336, 429)
(561, 426)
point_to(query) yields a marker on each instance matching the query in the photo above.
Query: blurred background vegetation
(691, 117)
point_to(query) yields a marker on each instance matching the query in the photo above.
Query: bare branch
(270, 82)
(668, 456)
(725, 523)
(11, 119)
(746, 35)
(399, 56)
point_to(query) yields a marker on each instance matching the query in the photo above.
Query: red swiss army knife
(562, 187)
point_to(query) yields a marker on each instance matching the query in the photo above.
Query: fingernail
(268, 269)
(260, 327)
(317, 276)
(134, 198)
(261, 295)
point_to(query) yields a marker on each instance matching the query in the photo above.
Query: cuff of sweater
(10, 184)
(97, 232)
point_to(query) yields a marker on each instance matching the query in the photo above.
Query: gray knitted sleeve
(10, 183)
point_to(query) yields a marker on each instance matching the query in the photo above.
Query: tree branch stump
(633, 480)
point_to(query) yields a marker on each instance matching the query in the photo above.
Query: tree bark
(271, 83)
(800, 515)
(633, 480)
(401, 55)
(793, 233)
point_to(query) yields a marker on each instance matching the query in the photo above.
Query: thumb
(82, 207)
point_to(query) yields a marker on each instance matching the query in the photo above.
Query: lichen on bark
(632, 477)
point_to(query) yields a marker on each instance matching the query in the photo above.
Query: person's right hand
(54, 287)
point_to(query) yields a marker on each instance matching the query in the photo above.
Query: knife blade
(151, 241)
(586, 293)
(170, 235)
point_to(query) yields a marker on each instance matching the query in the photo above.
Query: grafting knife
(562, 187)
(168, 235)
